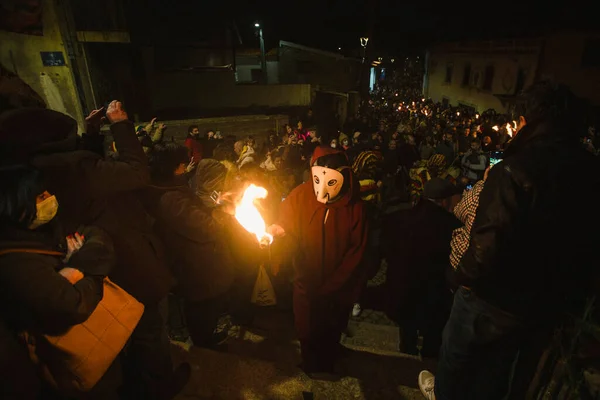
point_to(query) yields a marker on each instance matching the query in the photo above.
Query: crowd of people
(487, 223)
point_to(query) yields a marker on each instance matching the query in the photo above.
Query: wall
(562, 62)
(332, 72)
(245, 64)
(259, 126)
(21, 54)
(217, 90)
(507, 60)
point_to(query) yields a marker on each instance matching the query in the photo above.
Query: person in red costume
(322, 224)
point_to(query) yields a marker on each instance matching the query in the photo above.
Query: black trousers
(202, 318)
(147, 364)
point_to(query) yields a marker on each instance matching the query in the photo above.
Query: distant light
(257, 25)
(339, 48)
(423, 100)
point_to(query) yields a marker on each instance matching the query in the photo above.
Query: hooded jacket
(327, 240)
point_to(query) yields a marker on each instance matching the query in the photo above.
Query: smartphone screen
(496, 157)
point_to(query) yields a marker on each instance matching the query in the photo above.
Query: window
(488, 78)
(591, 53)
(466, 75)
(449, 70)
(521, 77)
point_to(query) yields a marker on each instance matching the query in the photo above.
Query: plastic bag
(263, 293)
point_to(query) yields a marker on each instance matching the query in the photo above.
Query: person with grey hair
(244, 151)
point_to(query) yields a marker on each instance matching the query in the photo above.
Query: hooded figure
(323, 226)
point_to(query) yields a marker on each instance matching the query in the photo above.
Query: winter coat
(92, 190)
(35, 298)
(535, 234)
(194, 147)
(197, 250)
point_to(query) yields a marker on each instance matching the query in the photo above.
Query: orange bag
(75, 361)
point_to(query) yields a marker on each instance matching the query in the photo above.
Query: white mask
(333, 145)
(46, 211)
(327, 183)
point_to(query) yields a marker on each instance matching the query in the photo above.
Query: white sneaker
(427, 384)
(356, 310)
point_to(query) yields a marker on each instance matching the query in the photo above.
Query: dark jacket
(197, 251)
(416, 244)
(536, 229)
(95, 191)
(34, 297)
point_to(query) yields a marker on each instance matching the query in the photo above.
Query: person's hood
(210, 177)
(28, 132)
(353, 191)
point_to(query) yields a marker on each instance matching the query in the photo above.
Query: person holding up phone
(474, 162)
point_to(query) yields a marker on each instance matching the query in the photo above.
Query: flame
(458, 114)
(509, 129)
(423, 100)
(515, 124)
(495, 127)
(476, 116)
(249, 217)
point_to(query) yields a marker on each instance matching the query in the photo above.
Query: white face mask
(327, 183)
(46, 211)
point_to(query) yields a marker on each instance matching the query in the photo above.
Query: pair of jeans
(479, 348)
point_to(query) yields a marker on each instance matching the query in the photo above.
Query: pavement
(260, 362)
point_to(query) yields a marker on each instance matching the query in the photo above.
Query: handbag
(263, 293)
(75, 361)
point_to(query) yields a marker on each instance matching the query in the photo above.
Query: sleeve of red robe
(350, 267)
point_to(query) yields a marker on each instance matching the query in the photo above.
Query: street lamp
(363, 42)
(263, 58)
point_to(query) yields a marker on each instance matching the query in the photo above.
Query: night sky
(395, 27)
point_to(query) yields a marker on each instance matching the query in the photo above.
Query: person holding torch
(322, 224)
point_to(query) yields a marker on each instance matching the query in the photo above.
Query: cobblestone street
(261, 362)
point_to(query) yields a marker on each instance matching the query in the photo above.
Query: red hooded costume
(326, 233)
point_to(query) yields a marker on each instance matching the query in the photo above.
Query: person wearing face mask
(37, 293)
(322, 226)
(191, 227)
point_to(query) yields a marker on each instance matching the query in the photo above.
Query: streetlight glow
(256, 24)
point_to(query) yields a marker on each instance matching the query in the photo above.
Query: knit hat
(210, 177)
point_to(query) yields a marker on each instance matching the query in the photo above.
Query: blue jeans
(479, 348)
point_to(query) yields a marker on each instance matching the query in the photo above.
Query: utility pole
(263, 57)
(373, 6)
